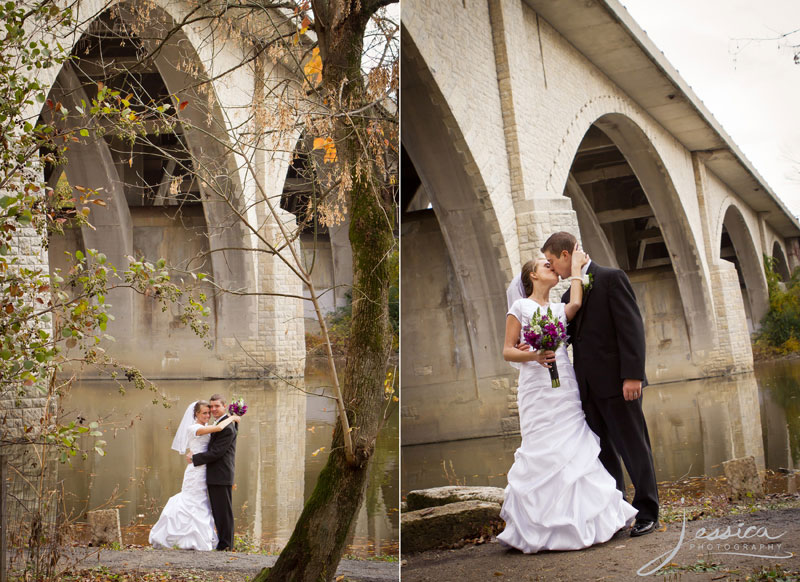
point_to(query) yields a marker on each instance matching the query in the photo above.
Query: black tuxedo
(608, 346)
(220, 459)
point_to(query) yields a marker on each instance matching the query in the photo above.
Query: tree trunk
(318, 540)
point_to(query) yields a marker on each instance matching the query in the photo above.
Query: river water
(694, 426)
(283, 444)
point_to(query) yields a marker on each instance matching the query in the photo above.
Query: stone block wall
(23, 411)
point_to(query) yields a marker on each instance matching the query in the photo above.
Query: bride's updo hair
(198, 405)
(527, 270)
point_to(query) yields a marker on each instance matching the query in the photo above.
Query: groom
(608, 345)
(220, 458)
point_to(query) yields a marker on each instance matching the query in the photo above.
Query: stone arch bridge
(532, 116)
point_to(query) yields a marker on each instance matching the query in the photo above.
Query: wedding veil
(181, 439)
(515, 290)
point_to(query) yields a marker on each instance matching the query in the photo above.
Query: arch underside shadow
(781, 265)
(748, 263)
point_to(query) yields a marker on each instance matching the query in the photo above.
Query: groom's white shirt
(586, 268)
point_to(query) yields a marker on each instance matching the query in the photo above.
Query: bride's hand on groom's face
(579, 257)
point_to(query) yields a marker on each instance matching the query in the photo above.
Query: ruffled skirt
(186, 522)
(559, 496)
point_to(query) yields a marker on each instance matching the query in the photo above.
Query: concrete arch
(206, 134)
(750, 262)
(90, 164)
(472, 237)
(647, 164)
(458, 198)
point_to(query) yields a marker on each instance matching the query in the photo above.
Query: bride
(559, 496)
(186, 522)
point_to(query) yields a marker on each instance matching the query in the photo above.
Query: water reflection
(780, 412)
(694, 426)
(278, 458)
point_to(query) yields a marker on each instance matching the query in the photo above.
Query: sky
(729, 52)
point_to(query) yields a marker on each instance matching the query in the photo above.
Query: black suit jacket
(220, 456)
(607, 335)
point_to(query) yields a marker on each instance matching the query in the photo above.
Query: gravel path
(624, 558)
(250, 564)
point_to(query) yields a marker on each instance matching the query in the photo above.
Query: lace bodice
(197, 444)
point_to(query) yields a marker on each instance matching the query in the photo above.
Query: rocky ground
(747, 553)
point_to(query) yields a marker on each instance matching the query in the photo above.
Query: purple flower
(237, 407)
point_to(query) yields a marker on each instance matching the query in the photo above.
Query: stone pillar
(280, 341)
(537, 219)
(733, 352)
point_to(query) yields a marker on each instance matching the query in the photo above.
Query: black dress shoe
(643, 527)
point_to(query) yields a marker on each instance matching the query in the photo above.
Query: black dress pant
(623, 433)
(222, 510)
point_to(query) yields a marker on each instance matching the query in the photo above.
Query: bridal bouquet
(546, 332)
(237, 407)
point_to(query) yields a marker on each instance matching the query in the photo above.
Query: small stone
(743, 478)
(104, 525)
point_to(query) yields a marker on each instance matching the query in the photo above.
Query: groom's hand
(189, 458)
(522, 346)
(631, 389)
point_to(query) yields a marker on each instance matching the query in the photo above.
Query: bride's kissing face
(203, 415)
(545, 272)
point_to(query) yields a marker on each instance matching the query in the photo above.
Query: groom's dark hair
(217, 397)
(559, 242)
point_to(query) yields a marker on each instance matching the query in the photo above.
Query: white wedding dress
(559, 495)
(186, 521)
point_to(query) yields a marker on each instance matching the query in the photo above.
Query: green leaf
(84, 132)
(25, 217)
